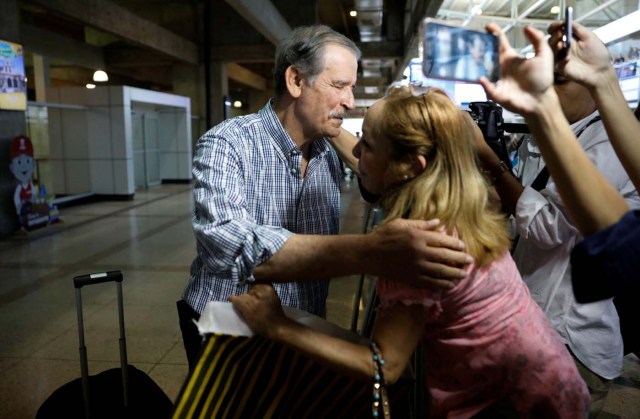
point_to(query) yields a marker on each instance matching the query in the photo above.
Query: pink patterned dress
(487, 340)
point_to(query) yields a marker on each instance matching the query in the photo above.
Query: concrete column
(219, 89)
(41, 74)
(188, 81)
(12, 124)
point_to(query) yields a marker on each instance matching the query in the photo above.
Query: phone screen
(455, 53)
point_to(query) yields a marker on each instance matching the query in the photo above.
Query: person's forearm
(343, 144)
(309, 257)
(591, 201)
(397, 331)
(506, 185)
(339, 355)
(620, 123)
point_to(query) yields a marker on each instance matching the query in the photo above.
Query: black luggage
(115, 393)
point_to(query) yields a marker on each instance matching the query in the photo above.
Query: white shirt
(542, 254)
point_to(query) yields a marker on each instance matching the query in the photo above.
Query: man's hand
(419, 252)
(588, 61)
(261, 309)
(524, 83)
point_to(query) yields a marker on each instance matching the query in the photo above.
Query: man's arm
(588, 64)
(505, 184)
(526, 87)
(230, 240)
(343, 144)
(408, 249)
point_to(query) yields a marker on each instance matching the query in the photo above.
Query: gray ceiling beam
(245, 76)
(421, 10)
(373, 82)
(264, 17)
(134, 57)
(244, 53)
(61, 48)
(381, 50)
(114, 19)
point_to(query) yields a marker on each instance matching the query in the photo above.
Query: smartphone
(568, 33)
(456, 53)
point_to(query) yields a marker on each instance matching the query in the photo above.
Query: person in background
(267, 196)
(485, 340)
(471, 66)
(605, 264)
(548, 228)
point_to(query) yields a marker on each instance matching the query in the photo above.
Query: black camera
(488, 116)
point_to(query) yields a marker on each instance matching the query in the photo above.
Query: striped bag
(253, 377)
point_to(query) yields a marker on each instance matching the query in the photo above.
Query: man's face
(373, 153)
(323, 104)
(575, 100)
(22, 168)
(444, 44)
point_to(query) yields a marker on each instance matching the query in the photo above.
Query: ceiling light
(353, 13)
(555, 10)
(237, 104)
(476, 10)
(100, 75)
(90, 86)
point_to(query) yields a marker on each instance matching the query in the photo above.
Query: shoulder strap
(540, 181)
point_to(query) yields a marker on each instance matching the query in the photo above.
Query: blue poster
(13, 84)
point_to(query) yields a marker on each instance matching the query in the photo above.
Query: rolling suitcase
(124, 392)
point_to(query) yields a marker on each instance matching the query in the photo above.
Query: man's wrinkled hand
(421, 253)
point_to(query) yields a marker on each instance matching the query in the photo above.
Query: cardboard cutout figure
(21, 154)
(32, 210)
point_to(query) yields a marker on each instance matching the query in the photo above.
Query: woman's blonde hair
(452, 188)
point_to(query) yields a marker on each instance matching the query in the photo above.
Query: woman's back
(485, 340)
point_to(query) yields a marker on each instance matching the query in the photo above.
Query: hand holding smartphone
(455, 53)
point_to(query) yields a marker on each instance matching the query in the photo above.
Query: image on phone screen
(455, 53)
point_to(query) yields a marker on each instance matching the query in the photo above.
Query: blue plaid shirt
(250, 198)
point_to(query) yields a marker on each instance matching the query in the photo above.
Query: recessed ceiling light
(555, 10)
(353, 13)
(90, 86)
(100, 75)
(237, 104)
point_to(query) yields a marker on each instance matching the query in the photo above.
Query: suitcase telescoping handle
(98, 278)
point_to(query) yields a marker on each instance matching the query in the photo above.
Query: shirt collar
(579, 125)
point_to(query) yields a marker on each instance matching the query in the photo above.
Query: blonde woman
(485, 340)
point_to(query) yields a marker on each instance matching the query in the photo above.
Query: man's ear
(294, 81)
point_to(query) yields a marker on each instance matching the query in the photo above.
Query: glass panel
(137, 131)
(153, 167)
(138, 168)
(151, 132)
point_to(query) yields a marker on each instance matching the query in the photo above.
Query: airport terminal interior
(109, 97)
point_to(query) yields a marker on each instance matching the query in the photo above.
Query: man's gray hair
(303, 48)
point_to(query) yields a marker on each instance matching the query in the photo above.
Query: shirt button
(293, 171)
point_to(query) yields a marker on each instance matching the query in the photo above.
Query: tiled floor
(150, 240)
